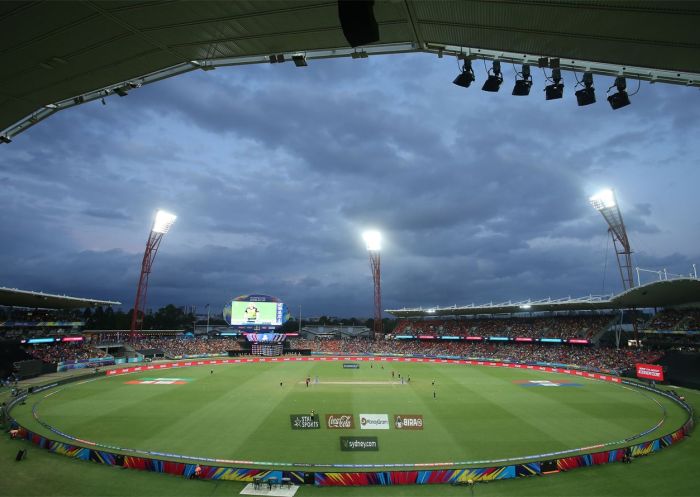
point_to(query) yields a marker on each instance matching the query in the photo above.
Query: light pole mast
(606, 203)
(373, 242)
(161, 225)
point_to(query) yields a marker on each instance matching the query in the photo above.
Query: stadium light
(586, 95)
(299, 60)
(466, 77)
(522, 86)
(604, 199)
(493, 83)
(373, 240)
(161, 225)
(556, 89)
(164, 220)
(619, 99)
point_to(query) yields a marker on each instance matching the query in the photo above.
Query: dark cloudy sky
(274, 172)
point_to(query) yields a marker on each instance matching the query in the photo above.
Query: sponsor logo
(159, 381)
(408, 421)
(374, 421)
(340, 421)
(359, 443)
(650, 372)
(546, 383)
(351, 365)
(304, 422)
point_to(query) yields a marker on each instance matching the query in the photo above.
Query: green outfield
(241, 413)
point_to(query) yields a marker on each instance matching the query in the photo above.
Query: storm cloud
(274, 171)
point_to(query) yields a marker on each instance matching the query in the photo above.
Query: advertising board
(374, 421)
(359, 444)
(340, 421)
(650, 372)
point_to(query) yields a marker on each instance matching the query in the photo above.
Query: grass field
(674, 471)
(242, 413)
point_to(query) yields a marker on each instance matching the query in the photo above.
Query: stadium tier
(532, 327)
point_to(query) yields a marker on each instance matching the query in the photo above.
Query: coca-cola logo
(340, 421)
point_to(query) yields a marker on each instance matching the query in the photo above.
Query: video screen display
(256, 313)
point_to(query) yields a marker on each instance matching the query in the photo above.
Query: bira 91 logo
(340, 421)
(408, 421)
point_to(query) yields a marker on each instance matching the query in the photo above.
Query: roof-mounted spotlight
(619, 99)
(123, 90)
(299, 60)
(522, 86)
(493, 83)
(556, 89)
(466, 77)
(586, 95)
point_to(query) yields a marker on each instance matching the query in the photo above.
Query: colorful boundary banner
(356, 478)
(462, 475)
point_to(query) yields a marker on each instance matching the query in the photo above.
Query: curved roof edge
(665, 293)
(24, 298)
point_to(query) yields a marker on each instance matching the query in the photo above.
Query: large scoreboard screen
(252, 313)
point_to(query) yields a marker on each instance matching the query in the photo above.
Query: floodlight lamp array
(604, 199)
(373, 240)
(164, 220)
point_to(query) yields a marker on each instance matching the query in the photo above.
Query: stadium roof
(666, 293)
(38, 300)
(60, 54)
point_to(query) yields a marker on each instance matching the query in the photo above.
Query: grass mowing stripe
(240, 412)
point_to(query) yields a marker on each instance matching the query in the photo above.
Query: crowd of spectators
(605, 359)
(581, 326)
(38, 315)
(170, 347)
(673, 319)
(178, 347)
(60, 352)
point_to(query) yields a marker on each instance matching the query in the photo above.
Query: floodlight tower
(606, 203)
(161, 225)
(373, 242)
